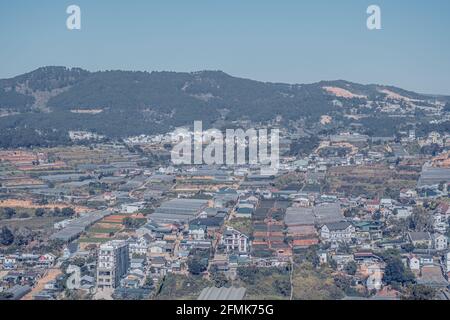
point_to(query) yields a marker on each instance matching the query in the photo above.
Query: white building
(113, 263)
(197, 232)
(132, 207)
(414, 264)
(323, 257)
(387, 203)
(447, 262)
(47, 260)
(403, 212)
(440, 242)
(337, 232)
(435, 138)
(157, 247)
(62, 224)
(408, 193)
(138, 247)
(440, 223)
(234, 241)
(412, 135)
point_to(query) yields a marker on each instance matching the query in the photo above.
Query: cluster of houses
(19, 273)
(26, 260)
(233, 215)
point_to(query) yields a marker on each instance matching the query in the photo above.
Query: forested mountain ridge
(54, 100)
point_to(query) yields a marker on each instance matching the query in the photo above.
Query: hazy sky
(278, 40)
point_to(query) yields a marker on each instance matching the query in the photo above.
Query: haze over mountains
(51, 101)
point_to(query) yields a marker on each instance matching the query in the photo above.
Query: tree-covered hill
(125, 103)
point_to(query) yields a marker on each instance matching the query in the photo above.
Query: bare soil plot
(28, 204)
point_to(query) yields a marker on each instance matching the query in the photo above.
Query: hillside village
(352, 217)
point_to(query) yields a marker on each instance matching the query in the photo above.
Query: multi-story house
(408, 194)
(440, 242)
(139, 246)
(197, 232)
(403, 212)
(113, 263)
(47, 260)
(414, 264)
(234, 241)
(440, 223)
(337, 232)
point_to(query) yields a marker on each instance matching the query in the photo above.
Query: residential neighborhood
(363, 218)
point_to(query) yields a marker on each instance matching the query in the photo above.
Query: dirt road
(50, 275)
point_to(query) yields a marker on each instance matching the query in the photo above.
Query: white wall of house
(440, 242)
(345, 235)
(235, 241)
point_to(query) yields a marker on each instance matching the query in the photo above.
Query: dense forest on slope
(51, 101)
